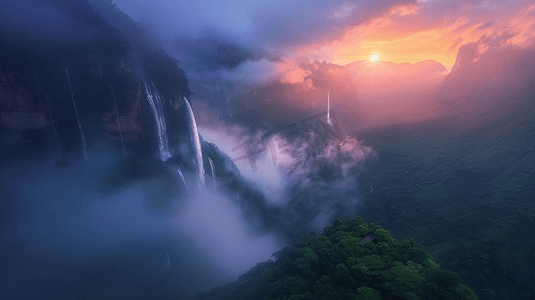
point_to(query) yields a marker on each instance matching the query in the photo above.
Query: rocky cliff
(62, 58)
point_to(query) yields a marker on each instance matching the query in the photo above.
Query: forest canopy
(344, 263)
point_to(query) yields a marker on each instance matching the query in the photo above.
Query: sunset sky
(155, 149)
(342, 31)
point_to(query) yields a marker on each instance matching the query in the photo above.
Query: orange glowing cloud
(291, 73)
(523, 29)
(413, 33)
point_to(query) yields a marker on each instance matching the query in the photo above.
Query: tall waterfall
(179, 171)
(212, 168)
(329, 121)
(157, 110)
(118, 121)
(195, 140)
(84, 147)
(167, 262)
(54, 132)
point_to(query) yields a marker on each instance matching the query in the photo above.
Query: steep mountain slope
(59, 54)
(462, 184)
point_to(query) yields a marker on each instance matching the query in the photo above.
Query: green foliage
(366, 293)
(465, 191)
(307, 260)
(337, 265)
(382, 235)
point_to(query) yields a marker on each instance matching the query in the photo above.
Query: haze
(463, 69)
(275, 49)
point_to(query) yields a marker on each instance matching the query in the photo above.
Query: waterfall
(329, 121)
(167, 263)
(213, 172)
(195, 140)
(118, 121)
(157, 110)
(179, 171)
(54, 132)
(84, 147)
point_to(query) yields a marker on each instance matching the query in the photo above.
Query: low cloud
(60, 221)
(309, 178)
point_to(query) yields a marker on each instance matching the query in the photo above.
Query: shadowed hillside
(350, 260)
(462, 185)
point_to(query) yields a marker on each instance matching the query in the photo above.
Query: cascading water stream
(54, 132)
(84, 147)
(118, 121)
(179, 171)
(212, 168)
(195, 140)
(167, 263)
(157, 110)
(329, 121)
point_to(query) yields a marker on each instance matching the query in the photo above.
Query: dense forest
(460, 184)
(465, 192)
(350, 260)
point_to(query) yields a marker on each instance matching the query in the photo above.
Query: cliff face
(105, 56)
(490, 80)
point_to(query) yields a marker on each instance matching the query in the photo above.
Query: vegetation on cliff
(464, 191)
(342, 264)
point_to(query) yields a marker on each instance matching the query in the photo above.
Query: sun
(374, 57)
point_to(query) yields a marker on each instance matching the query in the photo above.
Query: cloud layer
(338, 31)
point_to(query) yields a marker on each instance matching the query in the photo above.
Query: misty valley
(258, 150)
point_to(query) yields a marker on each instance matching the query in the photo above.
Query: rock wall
(107, 56)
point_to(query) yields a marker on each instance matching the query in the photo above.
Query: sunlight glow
(374, 57)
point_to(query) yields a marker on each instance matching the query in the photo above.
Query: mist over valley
(218, 151)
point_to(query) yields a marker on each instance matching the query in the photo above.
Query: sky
(340, 31)
(282, 87)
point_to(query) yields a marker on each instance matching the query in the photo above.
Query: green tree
(337, 265)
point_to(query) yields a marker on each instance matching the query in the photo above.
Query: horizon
(158, 149)
(274, 45)
(342, 31)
